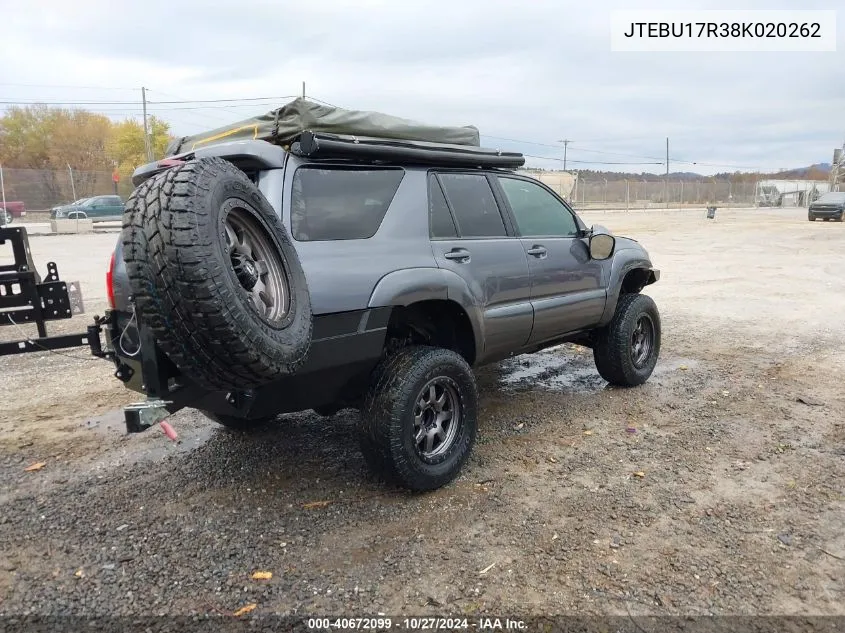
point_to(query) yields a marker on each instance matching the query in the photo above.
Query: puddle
(567, 367)
(150, 445)
(555, 368)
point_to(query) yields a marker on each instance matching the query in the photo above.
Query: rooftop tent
(284, 124)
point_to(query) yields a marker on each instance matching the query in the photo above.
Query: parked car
(253, 279)
(16, 208)
(98, 209)
(829, 206)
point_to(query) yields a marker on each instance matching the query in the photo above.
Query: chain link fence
(645, 194)
(42, 189)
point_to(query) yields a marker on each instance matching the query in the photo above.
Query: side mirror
(602, 245)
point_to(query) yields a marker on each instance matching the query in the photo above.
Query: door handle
(537, 251)
(461, 255)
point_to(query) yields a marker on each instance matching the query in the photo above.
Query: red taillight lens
(110, 282)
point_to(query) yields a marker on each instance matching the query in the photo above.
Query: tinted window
(474, 206)
(114, 200)
(341, 204)
(441, 222)
(537, 212)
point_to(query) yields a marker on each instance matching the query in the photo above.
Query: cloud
(539, 71)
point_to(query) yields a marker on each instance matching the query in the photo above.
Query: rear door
(97, 208)
(115, 206)
(568, 290)
(470, 237)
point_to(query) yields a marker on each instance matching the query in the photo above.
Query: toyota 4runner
(369, 267)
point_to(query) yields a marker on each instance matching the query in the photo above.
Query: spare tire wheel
(215, 277)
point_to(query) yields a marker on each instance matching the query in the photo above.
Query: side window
(441, 223)
(537, 212)
(474, 206)
(340, 203)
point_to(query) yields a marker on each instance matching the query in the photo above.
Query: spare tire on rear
(215, 276)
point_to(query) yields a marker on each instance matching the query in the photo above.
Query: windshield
(832, 197)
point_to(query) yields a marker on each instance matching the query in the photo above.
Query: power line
(588, 162)
(574, 148)
(65, 87)
(181, 101)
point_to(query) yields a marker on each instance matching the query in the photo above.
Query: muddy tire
(215, 277)
(239, 425)
(419, 419)
(626, 350)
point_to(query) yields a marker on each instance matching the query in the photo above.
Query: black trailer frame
(26, 298)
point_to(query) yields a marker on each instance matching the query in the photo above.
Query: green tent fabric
(284, 124)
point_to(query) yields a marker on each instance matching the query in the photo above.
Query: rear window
(832, 197)
(475, 208)
(340, 203)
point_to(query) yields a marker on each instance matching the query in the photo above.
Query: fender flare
(624, 262)
(411, 285)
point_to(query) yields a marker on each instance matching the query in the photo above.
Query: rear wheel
(419, 419)
(626, 350)
(811, 217)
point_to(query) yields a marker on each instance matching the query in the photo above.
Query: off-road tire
(184, 285)
(387, 417)
(612, 344)
(239, 425)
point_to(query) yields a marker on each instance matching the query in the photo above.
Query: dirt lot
(715, 488)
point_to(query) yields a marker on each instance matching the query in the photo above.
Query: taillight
(110, 282)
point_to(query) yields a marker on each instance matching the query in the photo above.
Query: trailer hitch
(140, 416)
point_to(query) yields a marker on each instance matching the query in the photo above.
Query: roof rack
(321, 145)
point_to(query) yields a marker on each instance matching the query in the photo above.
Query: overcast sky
(536, 71)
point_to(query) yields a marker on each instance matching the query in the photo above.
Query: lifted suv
(252, 280)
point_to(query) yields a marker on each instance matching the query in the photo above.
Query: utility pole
(148, 147)
(3, 188)
(565, 143)
(665, 182)
(72, 186)
(303, 89)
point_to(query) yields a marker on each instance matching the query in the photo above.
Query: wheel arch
(630, 273)
(436, 294)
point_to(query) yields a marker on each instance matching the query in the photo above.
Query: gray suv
(252, 280)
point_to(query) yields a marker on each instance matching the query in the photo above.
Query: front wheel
(626, 350)
(811, 217)
(419, 419)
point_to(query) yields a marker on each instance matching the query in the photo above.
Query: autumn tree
(52, 140)
(126, 146)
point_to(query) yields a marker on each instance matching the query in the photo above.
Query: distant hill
(818, 171)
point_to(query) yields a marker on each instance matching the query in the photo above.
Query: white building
(789, 193)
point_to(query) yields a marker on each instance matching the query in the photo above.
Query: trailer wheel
(215, 277)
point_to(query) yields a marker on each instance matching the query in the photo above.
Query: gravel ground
(716, 488)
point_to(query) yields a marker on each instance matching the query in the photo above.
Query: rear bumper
(826, 213)
(345, 347)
